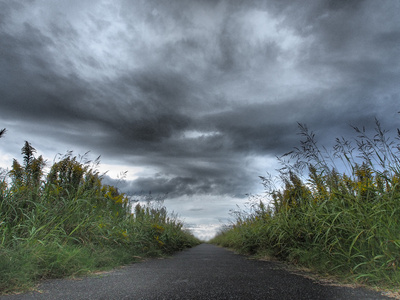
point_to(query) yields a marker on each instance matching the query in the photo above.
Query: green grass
(346, 224)
(69, 223)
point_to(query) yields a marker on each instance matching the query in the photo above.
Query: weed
(69, 223)
(345, 223)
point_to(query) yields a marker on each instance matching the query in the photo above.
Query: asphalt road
(203, 272)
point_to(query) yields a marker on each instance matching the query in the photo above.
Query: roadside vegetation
(67, 223)
(345, 223)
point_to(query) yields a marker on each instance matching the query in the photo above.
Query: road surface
(203, 272)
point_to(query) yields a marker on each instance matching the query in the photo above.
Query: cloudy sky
(194, 99)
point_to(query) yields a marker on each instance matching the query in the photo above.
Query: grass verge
(342, 223)
(69, 223)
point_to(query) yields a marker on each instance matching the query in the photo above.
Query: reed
(68, 223)
(343, 223)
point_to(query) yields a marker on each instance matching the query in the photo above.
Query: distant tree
(2, 132)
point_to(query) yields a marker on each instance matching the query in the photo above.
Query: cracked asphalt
(203, 272)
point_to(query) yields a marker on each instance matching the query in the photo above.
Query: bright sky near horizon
(194, 99)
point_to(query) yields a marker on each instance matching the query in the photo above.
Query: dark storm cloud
(154, 85)
(353, 39)
(224, 178)
(30, 87)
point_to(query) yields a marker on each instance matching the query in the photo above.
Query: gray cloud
(200, 94)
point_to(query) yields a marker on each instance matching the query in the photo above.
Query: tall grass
(68, 222)
(345, 223)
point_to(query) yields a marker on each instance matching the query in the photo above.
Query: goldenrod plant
(68, 222)
(336, 211)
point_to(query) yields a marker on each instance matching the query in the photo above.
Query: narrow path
(203, 272)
